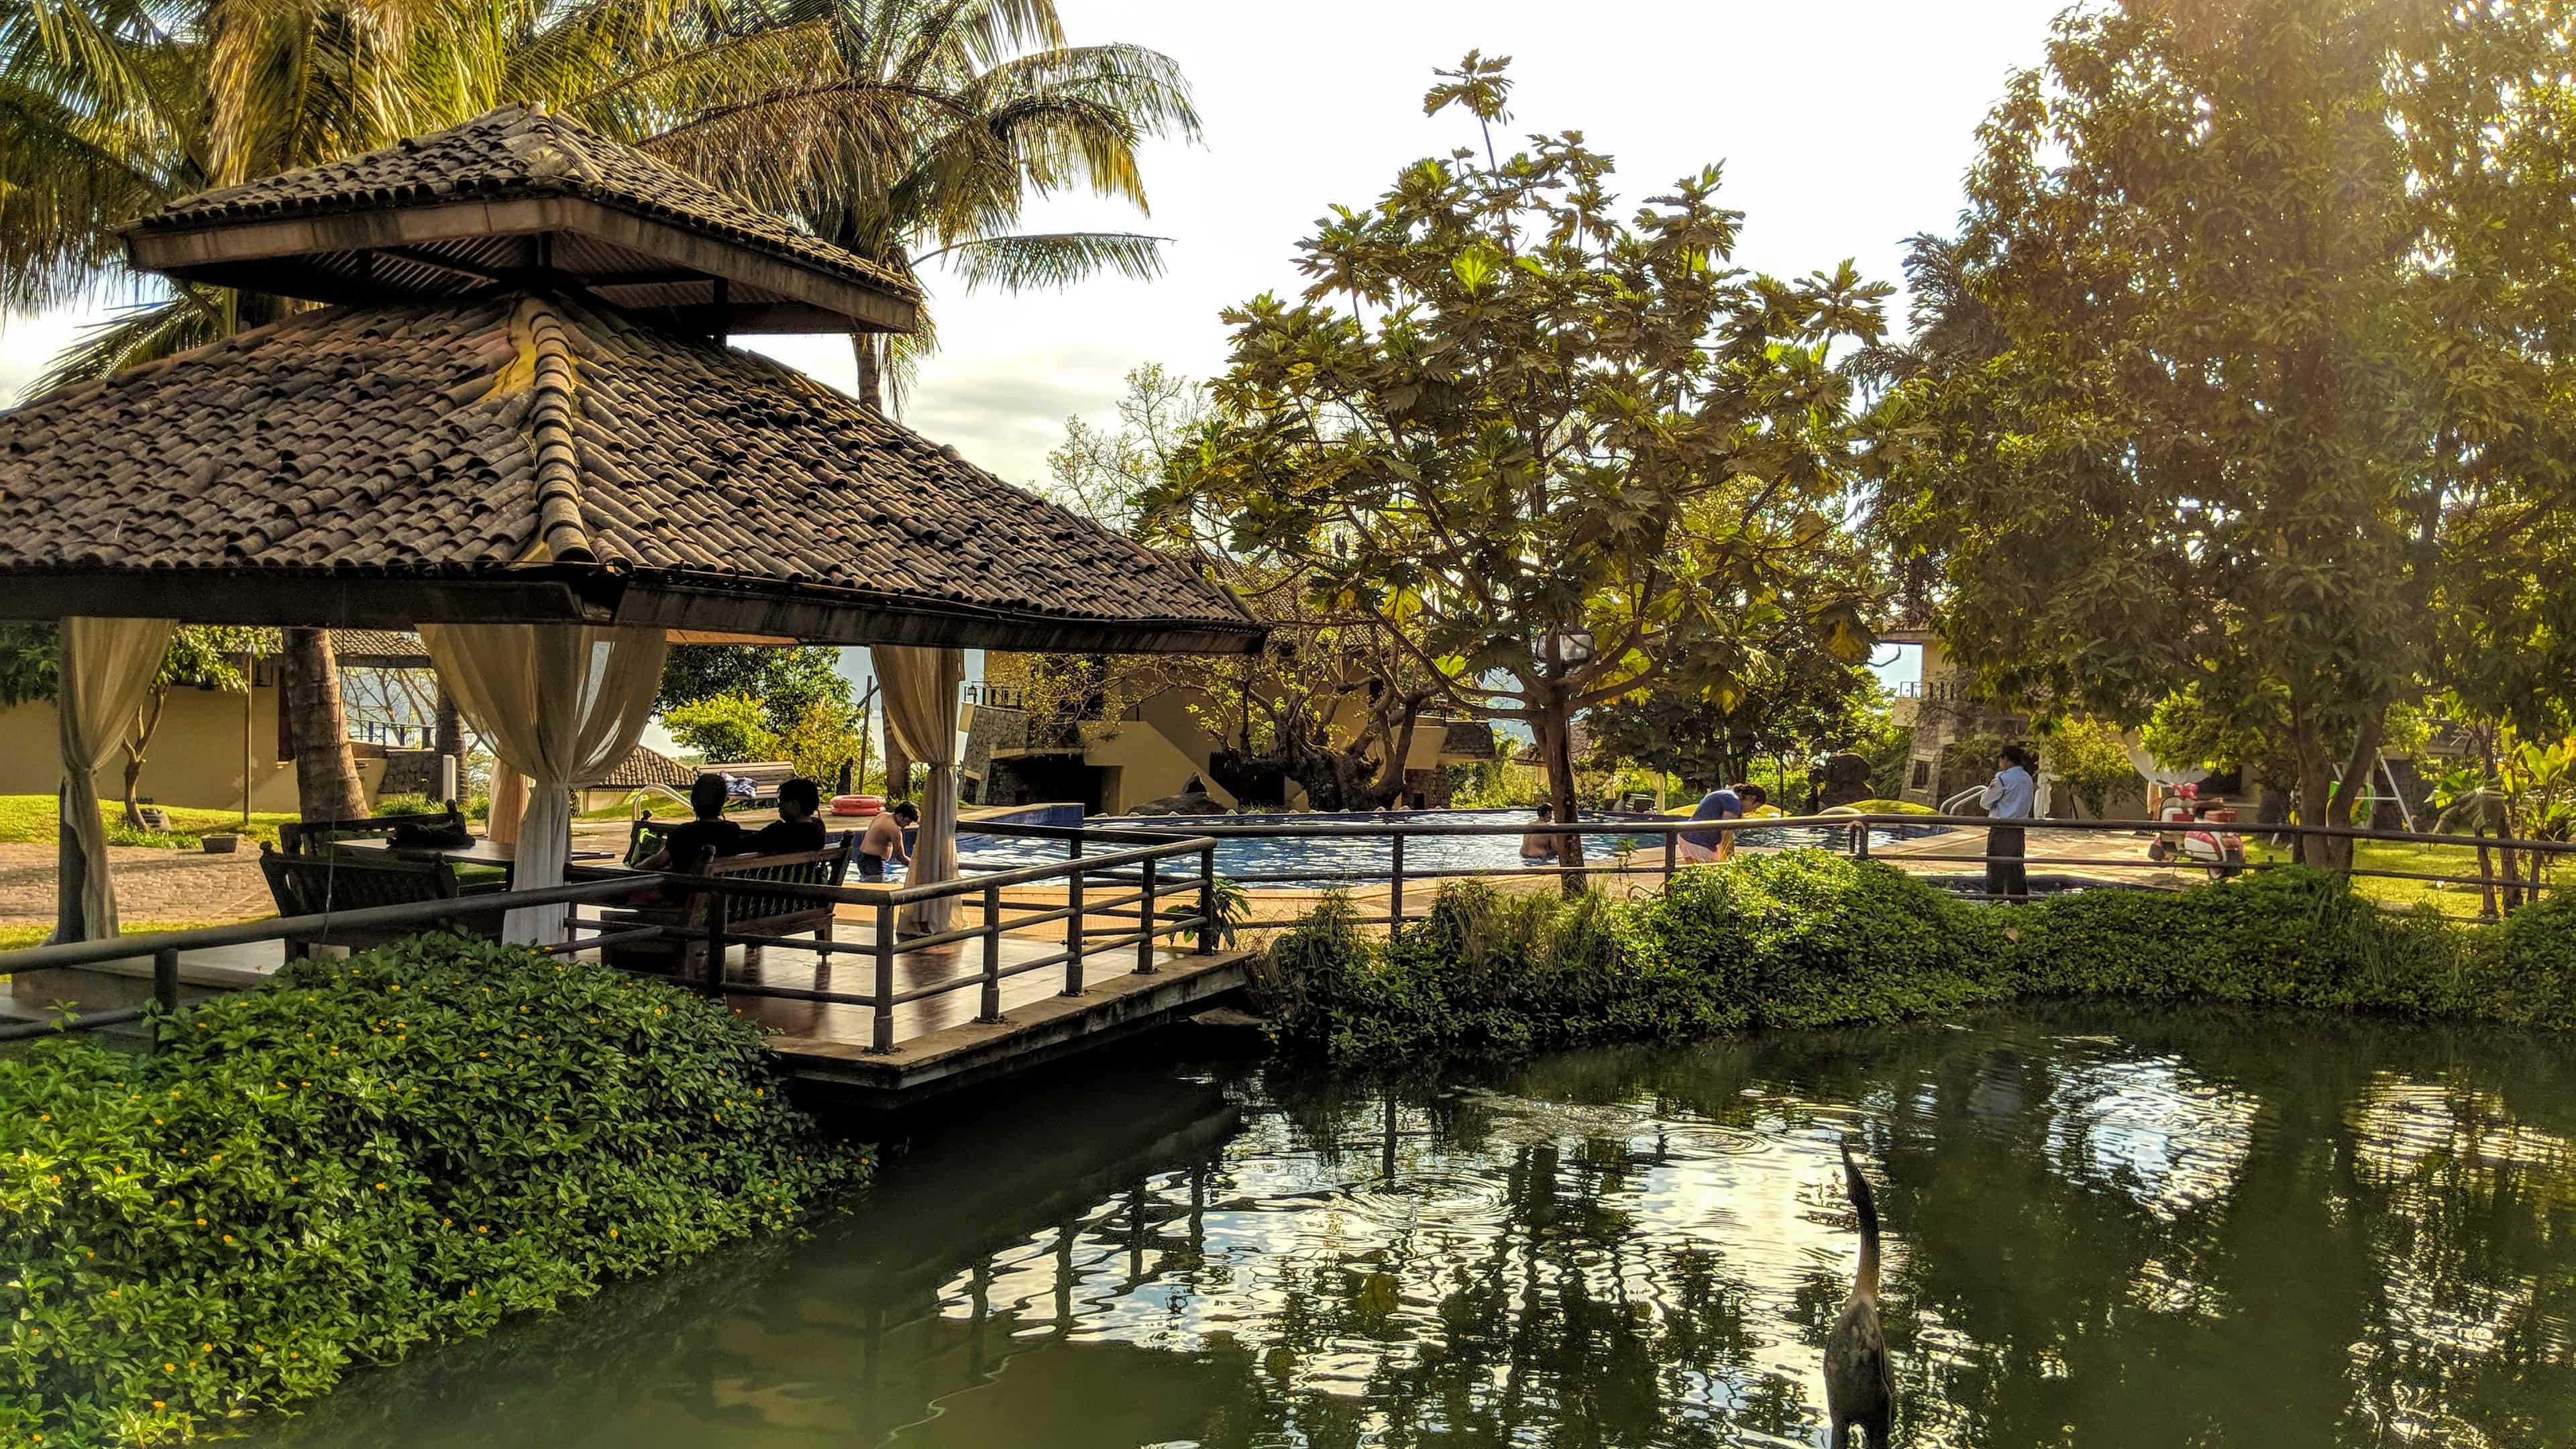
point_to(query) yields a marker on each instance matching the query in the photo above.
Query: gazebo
(515, 425)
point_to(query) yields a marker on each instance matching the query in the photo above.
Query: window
(1922, 775)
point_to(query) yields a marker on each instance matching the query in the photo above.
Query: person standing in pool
(883, 844)
(1538, 847)
(2009, 797)
(1708, 845)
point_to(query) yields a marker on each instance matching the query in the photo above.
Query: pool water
(2107, 1226)
(1362, 859)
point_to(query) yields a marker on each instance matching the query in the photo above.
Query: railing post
(992, 1003)
(1207, 899)
(1145, 920)
(1073, 922)
(1672, 854)
(1395, 887)
(883, 1038)
(714, 982)
(1860, 841)
(165, 985)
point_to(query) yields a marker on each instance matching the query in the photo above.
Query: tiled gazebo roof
(514, 151)
(619, 472)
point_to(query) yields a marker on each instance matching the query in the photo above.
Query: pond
(1362, 859)
(2107, 1227)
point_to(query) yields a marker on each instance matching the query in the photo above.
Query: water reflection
(2103, 1227)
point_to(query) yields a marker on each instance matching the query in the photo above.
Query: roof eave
(226, 245)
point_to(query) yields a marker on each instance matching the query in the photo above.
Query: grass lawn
(19, 938)
(2451, 900)
(29, 820)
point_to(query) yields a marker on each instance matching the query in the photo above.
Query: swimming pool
(1360, 860)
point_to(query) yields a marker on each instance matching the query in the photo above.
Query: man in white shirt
(2009, 797)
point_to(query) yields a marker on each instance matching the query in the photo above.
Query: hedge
(1805, 938)
(374, 1154)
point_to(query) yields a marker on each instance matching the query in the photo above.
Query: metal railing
(1095, 926)
(1098, 921)
(1660, 842)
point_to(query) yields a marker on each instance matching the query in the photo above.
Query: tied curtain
(920, 687)
(108, 666)
(559, 703)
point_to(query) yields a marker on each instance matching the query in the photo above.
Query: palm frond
(1051, 259)
(135, 336)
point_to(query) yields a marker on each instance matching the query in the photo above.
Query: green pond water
(2107, 1227)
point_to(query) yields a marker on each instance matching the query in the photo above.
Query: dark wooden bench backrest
(829, 866)
(306, 885)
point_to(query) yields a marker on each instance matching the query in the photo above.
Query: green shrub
(1807, 939)
(373, 1154)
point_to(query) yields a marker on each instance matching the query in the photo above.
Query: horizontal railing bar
(612, 938)
(85, 1021)
(795, 993)
(277, 928)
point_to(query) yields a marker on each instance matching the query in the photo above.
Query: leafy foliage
(374, 1154)
(725, 729)
(2087, 757)
(2248, 355)
(784, 683)
(1806, 939)
(1500, 413)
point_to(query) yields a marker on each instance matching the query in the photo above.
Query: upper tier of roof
(519, 195)
(526, 456)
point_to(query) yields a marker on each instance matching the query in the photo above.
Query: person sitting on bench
(799, 826)
(685, 845)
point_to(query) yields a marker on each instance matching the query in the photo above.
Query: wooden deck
(939, 1045)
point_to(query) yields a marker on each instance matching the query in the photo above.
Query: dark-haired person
(1538, 847)
(684, 846)
(799, 826)
(883, 844)
(2011, 796)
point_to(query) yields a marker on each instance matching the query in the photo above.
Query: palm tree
(110, 108)
(913, 131)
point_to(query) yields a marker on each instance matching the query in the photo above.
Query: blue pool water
(1362, 859)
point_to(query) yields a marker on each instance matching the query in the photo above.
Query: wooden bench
(746, 910)
(313, 885)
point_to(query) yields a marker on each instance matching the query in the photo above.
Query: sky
(1843, 126)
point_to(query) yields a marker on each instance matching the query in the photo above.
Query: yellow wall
(195, 759)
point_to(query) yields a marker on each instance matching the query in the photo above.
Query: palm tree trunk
(864, 347)
(326, 773)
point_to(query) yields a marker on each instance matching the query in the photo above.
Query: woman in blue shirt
(2016, 785)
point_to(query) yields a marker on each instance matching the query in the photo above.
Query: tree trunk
(2486, 879)
(898, 767)
(147, 723)
(326, 773)
(451, 731)
(864, 348)
(1556, 751)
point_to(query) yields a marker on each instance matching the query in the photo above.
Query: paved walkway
(152, 884)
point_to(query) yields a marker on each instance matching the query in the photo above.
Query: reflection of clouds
(2165, 1137)
(2402, 1121)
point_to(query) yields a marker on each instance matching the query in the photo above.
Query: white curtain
(107, 670)
(558, 703)
(920, 688)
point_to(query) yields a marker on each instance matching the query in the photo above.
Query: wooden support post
(992, 954)
(715, 944)
(165, 985)
(1860, 841)
(1395, 891)
(1672, 854)
(1145, 922)
(883, 1038)
(1207, 899)
(1073, 923)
